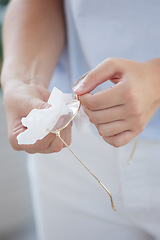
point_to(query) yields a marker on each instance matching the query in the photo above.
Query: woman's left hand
(121, 112)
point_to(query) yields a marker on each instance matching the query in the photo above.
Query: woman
(42, 37)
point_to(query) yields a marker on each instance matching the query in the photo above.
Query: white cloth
(70, 204)
(40, 121)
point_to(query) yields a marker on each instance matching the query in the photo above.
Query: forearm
(153, 73)
(33, 40)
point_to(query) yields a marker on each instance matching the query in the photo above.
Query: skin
(121, 112)
(33, 40)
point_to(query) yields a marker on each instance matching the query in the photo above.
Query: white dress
(68, 202)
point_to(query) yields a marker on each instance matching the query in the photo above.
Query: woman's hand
(121, 112)
(19, 100)
(33, 41)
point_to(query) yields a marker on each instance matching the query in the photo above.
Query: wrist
(15, 72)
(153, 75)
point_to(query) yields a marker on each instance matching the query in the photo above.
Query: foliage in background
(0, 43)
(3, 4)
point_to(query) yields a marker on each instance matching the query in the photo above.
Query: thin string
(57, 132)
(111, 199)
(133, 150)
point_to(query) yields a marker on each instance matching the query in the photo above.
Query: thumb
(39, 104)
(38, 100)
(105, 71)
(33, 103)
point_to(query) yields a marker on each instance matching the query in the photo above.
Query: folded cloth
(39, 121)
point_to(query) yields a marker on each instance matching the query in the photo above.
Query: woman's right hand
(19, 99)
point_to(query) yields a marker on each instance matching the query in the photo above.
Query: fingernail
(78, 86)
(46, 105)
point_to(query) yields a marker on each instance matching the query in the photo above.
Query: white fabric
(70, 204)
(40, 121)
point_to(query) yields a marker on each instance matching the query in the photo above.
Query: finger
(113, 128)
(27, 105)
(13, 137)
(107, 115)
(67, 135)
(113, 96)
(56, 145)
(15, 127)
(107, 70)
(40, 146)
(120, 139)
(48, 144)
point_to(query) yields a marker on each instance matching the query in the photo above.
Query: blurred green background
(3, 4)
